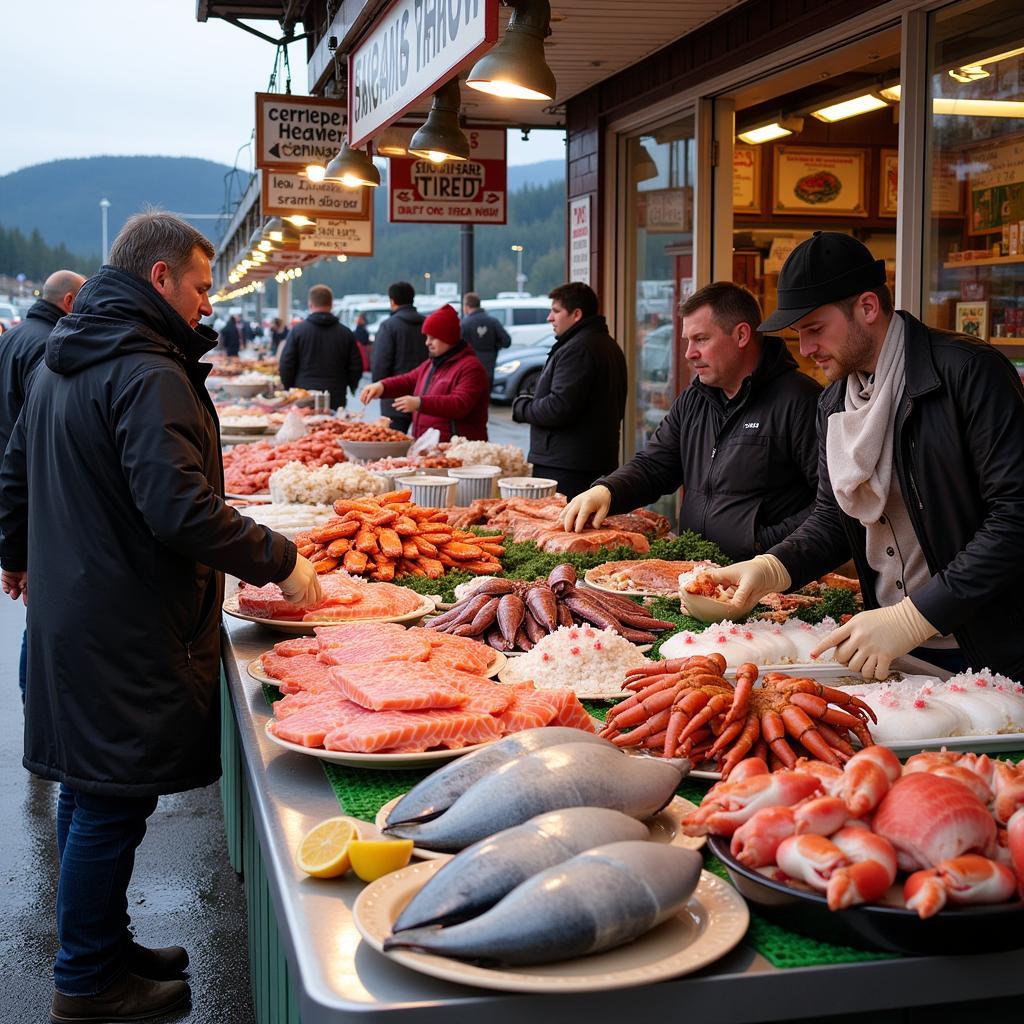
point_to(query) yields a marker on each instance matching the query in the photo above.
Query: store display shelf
(1007, 341)
(990, 261)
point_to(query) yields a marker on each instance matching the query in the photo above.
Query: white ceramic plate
(301, 628)
(590, 578)
(709, 926)
(979, 744)
(423, 759)
(255, 669)
(664, 827)
(260, 499)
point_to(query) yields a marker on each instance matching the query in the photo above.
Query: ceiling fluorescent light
(852, 107)
(978, 108)
(891, 92)
(777, 129)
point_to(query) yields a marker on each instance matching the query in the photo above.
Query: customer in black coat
(740, 440)
(111, 505)
(320, 353)
(483, 333)
(576, 410)
(230, 337)
(398, 346)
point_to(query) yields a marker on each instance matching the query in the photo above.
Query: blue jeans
(97, 837)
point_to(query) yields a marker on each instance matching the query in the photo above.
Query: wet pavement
(183, 892)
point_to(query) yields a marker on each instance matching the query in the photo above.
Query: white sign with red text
(579, 239)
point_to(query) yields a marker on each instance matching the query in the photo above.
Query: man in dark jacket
(398, 346)
(321, 354)
(921, 444)
(483, 333)
(111, 500)
(230, 337)
(740, 440)
(576, 410)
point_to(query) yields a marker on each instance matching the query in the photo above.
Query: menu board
(823, 182)
(746, 179)
(996, 185)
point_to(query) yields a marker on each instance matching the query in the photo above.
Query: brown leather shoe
(162, 964)
(129, 998)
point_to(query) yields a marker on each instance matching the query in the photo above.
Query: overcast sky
(143, 77)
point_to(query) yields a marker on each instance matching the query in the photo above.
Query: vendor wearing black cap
(921, 474)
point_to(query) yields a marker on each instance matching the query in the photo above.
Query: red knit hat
(444, 325)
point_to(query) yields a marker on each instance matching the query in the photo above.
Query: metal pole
(104, 206)
(466, 239)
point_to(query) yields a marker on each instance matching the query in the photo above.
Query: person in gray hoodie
(398, 347)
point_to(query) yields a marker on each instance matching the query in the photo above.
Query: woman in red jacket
(449, 391)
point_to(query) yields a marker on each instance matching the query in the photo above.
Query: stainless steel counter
(339, 978)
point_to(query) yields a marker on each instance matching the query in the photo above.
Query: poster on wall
(579, 239)
(995, 184)
(746, 179)
(339, 238)
(285, 193)
(665, 211)
(823, 182)
(972, 318)
(889, 185)
(945, 197)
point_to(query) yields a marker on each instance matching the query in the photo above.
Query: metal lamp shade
(440, 138)
(516, 68)
(352, 168)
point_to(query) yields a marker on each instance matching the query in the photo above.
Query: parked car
(9, 316)
(518, 372)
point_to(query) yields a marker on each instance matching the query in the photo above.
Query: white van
(525, 318)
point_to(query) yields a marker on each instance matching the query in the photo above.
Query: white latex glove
(594, 502)
(302, 587)
(869, 641)
(370, 392)
(763, 574)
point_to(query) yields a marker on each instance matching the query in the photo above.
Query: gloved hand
(869, 641)
(594, 502)
(763, 574)
(302, 586)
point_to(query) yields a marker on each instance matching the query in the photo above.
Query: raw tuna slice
(528, 710)
(292, 702)
(299, 672)
(346, 633)
(308, 726)
(368, 732)
(297, 645)
(397, 686)
(363, 647)
(458, 652)
(372, 601)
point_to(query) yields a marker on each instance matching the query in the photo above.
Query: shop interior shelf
(990, 261)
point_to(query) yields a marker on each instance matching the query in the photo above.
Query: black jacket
(959, 454)
(576, 410)
(111, 496)
(748, 466)
(321, 354)
(398, 347)
(229, 338)
(486, 336)
(21, 350)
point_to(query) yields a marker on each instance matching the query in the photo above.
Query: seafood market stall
(309, 963)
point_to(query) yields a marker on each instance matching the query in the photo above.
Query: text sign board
(285, 193)
(413, 47)
(292, 131)
(338, 237)
(473, 191)
(579, 239)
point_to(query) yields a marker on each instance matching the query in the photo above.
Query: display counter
(309, 964)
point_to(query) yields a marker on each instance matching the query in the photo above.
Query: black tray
(974, 929)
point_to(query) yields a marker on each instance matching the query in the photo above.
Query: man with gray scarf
(921, 449)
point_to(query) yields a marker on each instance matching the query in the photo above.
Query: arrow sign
(293, 131)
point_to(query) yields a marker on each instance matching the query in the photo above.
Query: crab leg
(750, 736)
(621, 716)
(773, 730)
(801, 728)
(839, 746)
(654, 724)
(688, 705)
(817, 707)
(746, 674)
(728, 734)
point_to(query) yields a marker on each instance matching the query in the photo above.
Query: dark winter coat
(229, 338)
(486, 336)
(111, 496)
(577, 407)
(21, 350)
(748, 466)
(321, 354)
(959, 464)
(455, 392)
(398, 347)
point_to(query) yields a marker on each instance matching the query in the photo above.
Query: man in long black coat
(111, 504)
(576, 411)
(321, 353)
(398, 346)
(483, 333)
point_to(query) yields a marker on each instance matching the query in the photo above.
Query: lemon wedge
(373, 858)
(324, 852)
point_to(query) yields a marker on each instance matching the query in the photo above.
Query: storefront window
(662, 175)
(974, 251)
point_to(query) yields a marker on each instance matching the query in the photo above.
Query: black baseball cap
(827, 267)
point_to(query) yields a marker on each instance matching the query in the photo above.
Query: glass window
(530, 316)
(974, 246)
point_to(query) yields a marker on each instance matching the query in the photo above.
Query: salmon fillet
(529, 709)
(297, 645)
(398, 686)
(361, 731)
(365, 647)
(299, 672)
(308, 726)
(457, 652)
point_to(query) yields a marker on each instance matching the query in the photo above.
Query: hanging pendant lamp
(516, 68)
(352, 168)
(440, 138)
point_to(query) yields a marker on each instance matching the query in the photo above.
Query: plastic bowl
(707, 609)
(368, 451)
(431, 491)
(527, 487)
(474, 482)
(969, 929)
(247, 390)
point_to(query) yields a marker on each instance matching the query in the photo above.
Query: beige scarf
(859, 446)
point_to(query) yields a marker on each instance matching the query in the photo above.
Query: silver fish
(439, 790)
(570, 775)
(598, 900)
(481, 875)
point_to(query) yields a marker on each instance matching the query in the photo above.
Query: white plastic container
(431, 491)
(474, 482)
(527, 487)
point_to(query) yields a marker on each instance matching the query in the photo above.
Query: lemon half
(373, 858)
(324, 852)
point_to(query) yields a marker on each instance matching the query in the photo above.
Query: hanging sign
(292, 131)
(472, 191)
(413, 47)
(285, 193)
(579, 239)
(339, 237)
